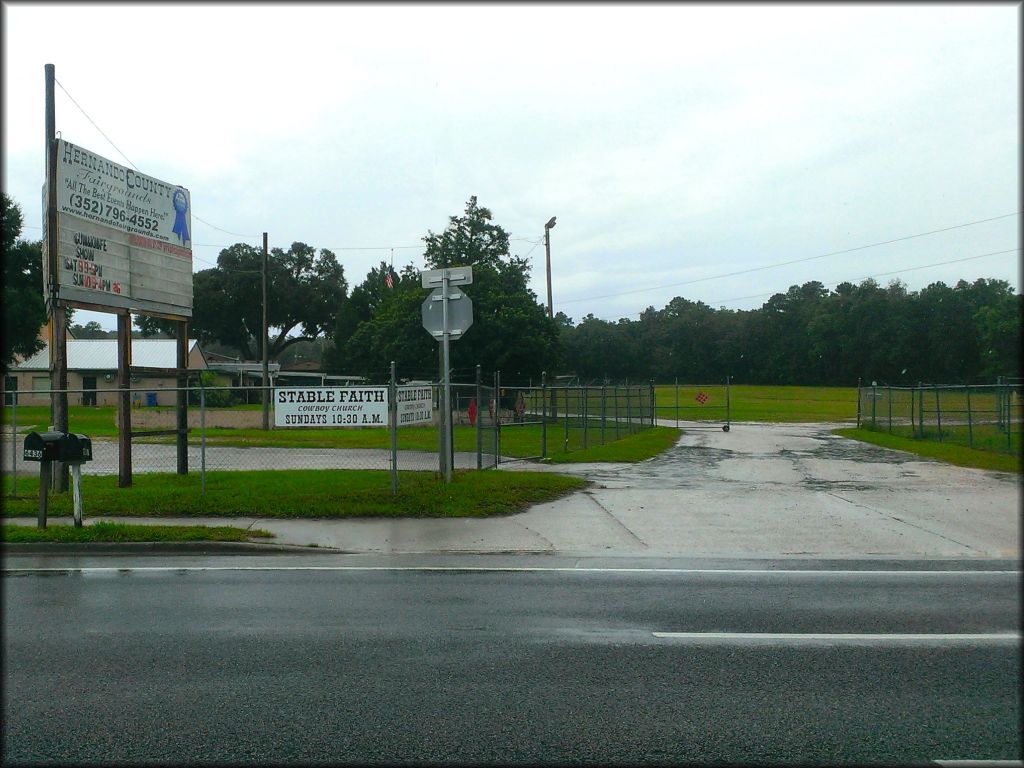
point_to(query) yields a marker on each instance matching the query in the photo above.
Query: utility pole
(266, 359)
(547, 260)
(58, 321)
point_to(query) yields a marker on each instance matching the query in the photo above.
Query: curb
(166, 547)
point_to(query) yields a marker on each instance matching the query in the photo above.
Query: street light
(547, 251)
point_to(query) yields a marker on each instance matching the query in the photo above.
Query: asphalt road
(334, 659)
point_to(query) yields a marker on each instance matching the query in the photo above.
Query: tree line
(809, 335)
(968, 333)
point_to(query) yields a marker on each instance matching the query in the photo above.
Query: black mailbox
(75, 448)
(43, 446)
(57, 446)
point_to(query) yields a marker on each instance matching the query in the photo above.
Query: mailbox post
(48, 447)
(77, 449)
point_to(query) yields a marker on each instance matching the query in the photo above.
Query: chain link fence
(224, 428)
(544, 420)
(983, 416)
(705, 406)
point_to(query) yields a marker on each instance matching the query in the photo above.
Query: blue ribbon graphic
(180, 228)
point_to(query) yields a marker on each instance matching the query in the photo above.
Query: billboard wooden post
(182, 409)
(58, 322)
(124, 403)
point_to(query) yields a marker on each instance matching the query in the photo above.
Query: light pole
(547, 251)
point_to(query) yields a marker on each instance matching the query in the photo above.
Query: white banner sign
(124, 238)
(331, 407)
(415, 405)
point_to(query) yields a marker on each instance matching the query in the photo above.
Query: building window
(40, 383)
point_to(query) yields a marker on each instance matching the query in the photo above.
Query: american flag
(389, 281)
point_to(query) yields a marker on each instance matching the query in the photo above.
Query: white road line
(840, 637)
(498, 568)
(526, 568)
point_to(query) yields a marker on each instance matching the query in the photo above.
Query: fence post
(479, 423)
(498, 418)
(874, 404)
(543, 414)
(654, 407)
(970, 418)
(565, 419)
(616, 417)
(629, 414)
(913, 426)
(14, 443)
(888, 392)
(494, 426)
(202, 434)
(938, 411)
(921, 410)
(858, 402)
(677, 402)
(585, 395)
(604, 408)
(1007, 398)
(393, 413)
(728, 414)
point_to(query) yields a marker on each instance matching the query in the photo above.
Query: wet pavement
(759, 490)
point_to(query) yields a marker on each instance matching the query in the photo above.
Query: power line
(133, 165)
(786, 263)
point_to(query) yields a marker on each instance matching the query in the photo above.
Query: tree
(305, 293)
(91, 330)
(468, 240)
(24, 308)
(511, 332)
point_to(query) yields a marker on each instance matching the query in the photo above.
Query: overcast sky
(675, 143)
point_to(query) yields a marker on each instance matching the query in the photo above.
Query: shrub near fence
(986, 417)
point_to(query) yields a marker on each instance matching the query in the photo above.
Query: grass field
(301, 493)
(757, 403)
(948, 452)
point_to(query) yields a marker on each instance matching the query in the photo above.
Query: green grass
(635, 447)
(950, 453)
(302, 494)
(758, 403)
(516, 441)
(124, 532)
(98, 421)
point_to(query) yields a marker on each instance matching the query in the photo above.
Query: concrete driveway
(760, 490)
(787, 490)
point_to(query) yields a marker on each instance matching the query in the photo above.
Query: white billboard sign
(124, 238)
(331, 406)
(415, 405)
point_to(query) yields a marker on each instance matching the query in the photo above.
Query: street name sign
(456, 276)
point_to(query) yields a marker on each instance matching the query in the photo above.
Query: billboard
(123, 238)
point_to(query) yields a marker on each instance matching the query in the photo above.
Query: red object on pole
(472, 411)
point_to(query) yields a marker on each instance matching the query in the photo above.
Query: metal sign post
(454, 319)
